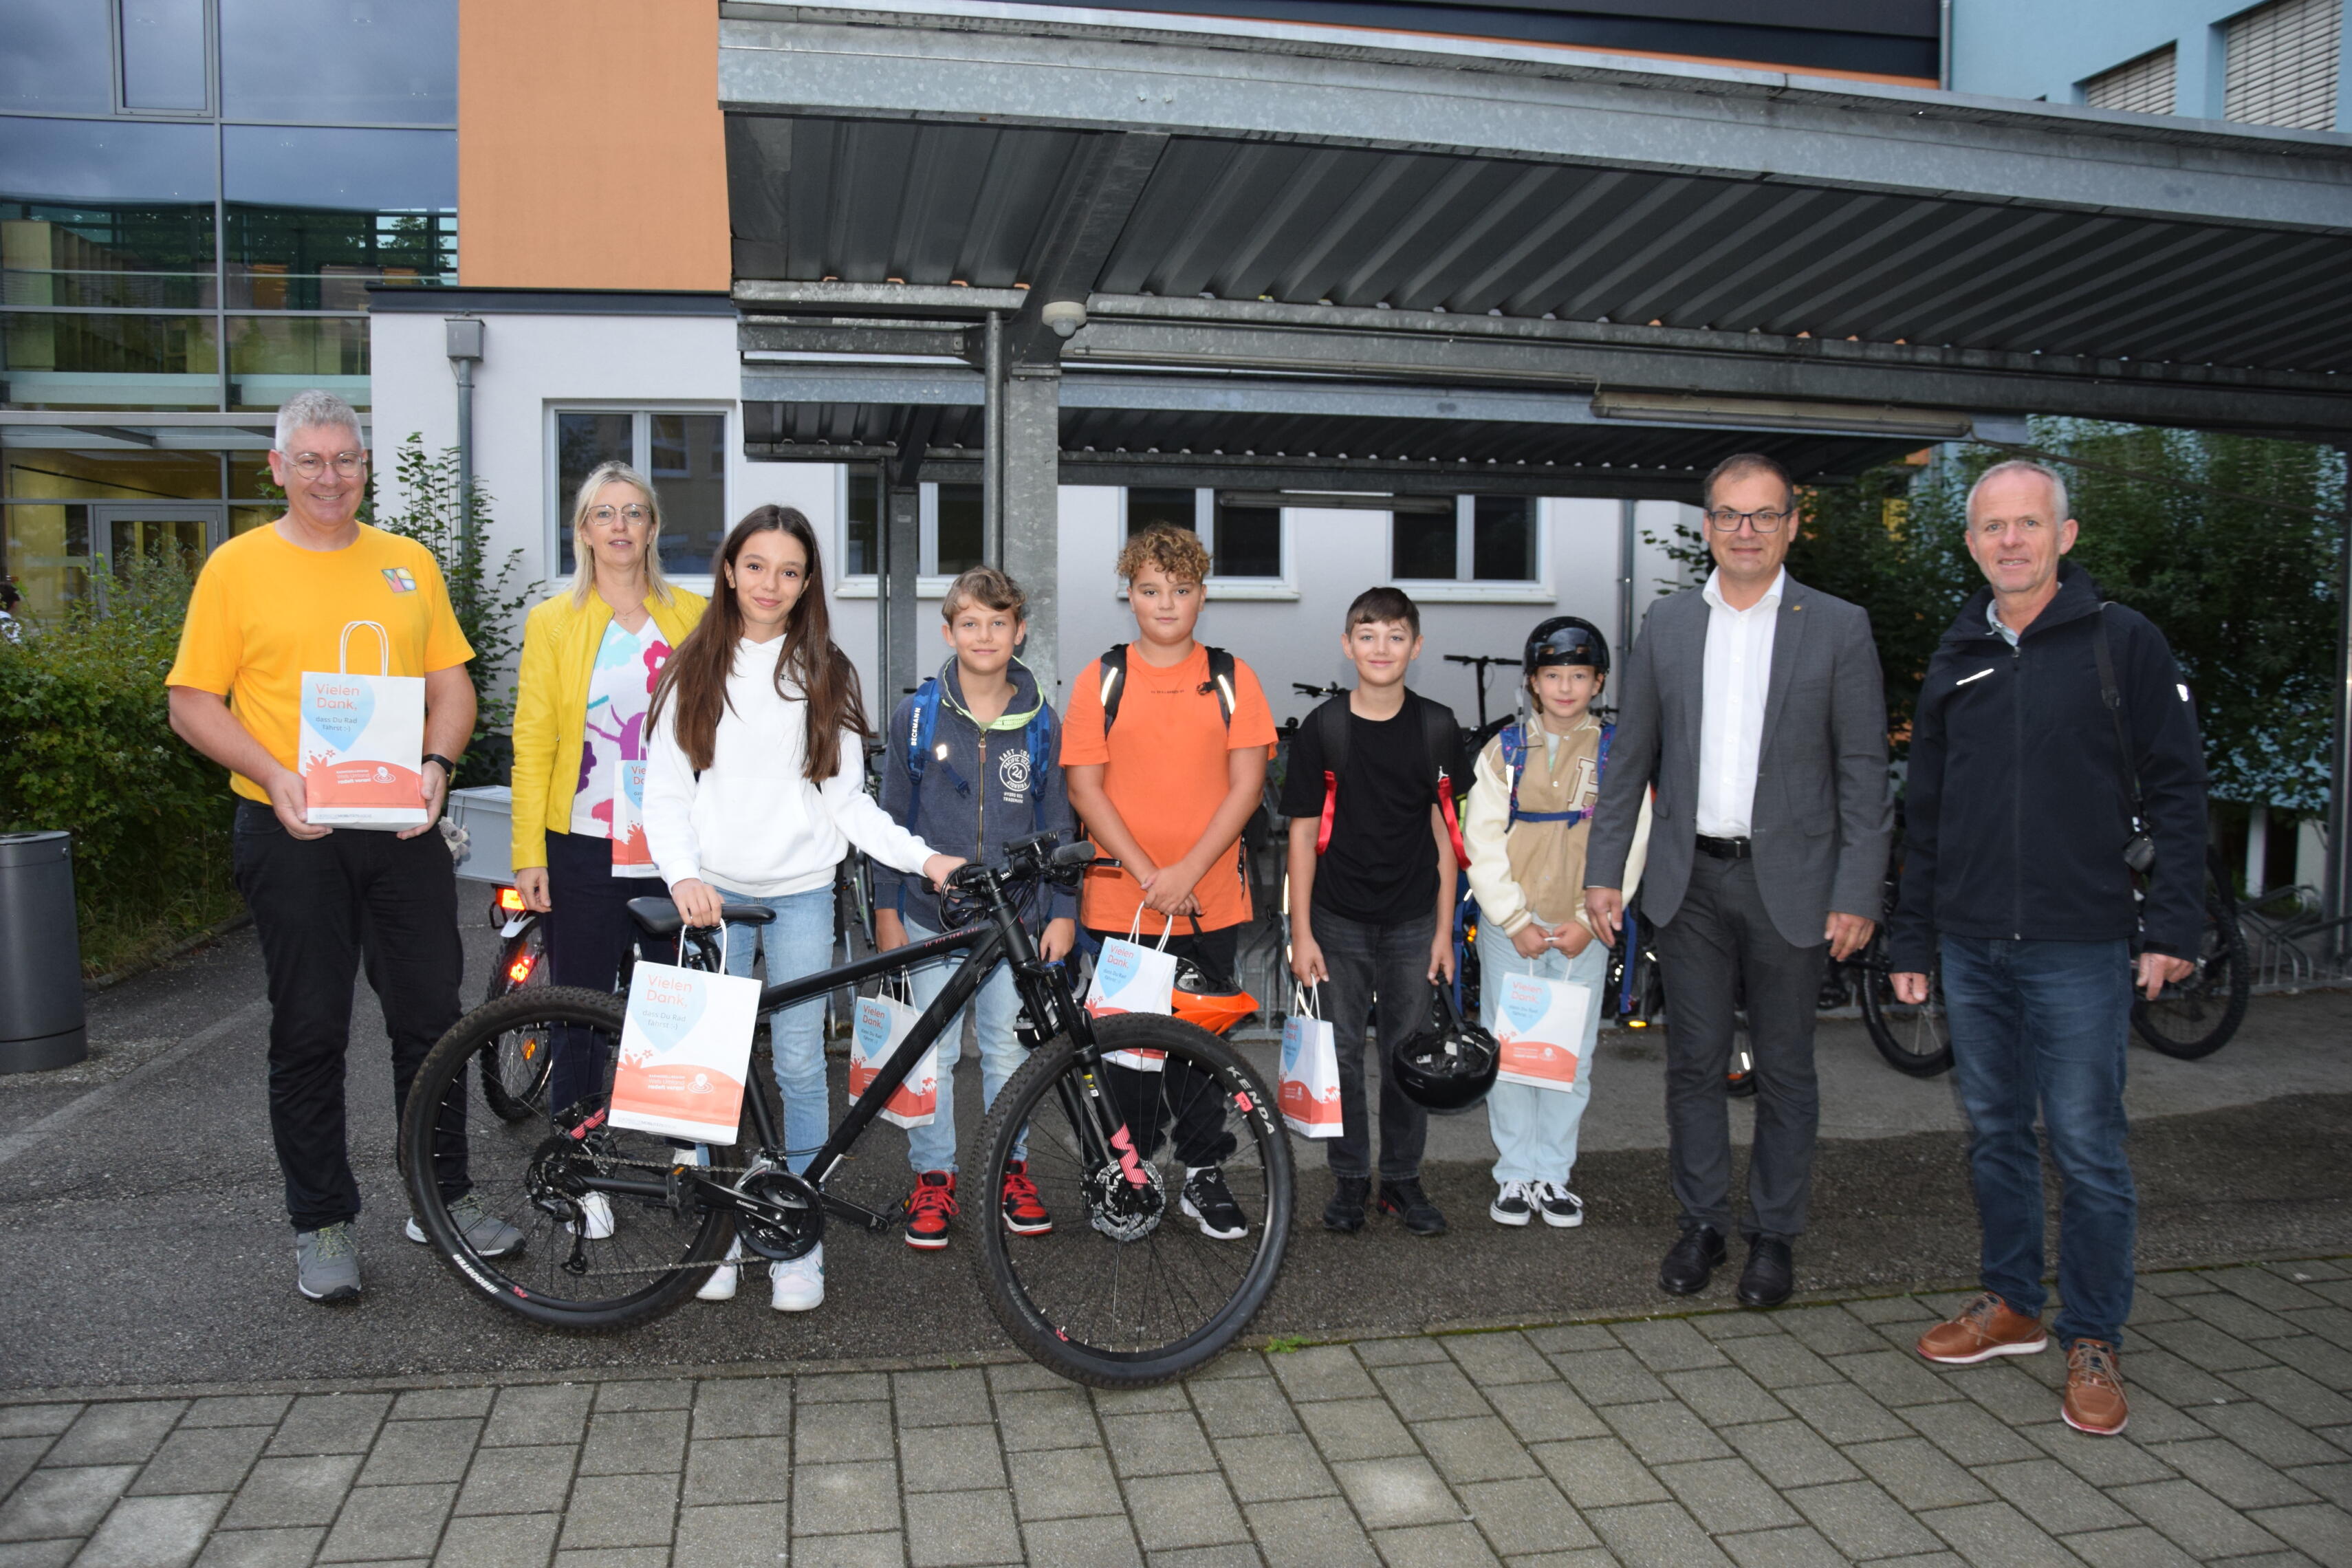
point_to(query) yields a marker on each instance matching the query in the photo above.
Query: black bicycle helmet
(1565, 639)
(1448, 1068)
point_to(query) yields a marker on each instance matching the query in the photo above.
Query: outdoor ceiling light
(1774, 414)
(1065, 316)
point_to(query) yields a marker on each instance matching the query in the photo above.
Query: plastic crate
(484, 817)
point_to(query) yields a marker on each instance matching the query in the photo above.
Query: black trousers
(321, 907)
(588, 934)
(1719, 948)
(1379, 977)
(1184, 1096)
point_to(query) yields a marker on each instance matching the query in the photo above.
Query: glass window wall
(383, 62)
(166, 65)
(59, 58)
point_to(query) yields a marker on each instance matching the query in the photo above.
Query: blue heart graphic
(666, 1009)
(872, 1029)
(633, 783)
(1116, 969)
(1294, 1043)
(1525, 1001)
(339, 707)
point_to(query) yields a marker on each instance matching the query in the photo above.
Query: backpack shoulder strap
(1439, 734)
(1114, 684)
(1331, 732)
(1221, 675)
(922, 724)
(1038, 735)
(1514, 739)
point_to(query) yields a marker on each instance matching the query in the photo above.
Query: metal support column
(2337, 885)
(902, 540)
(992, 468)
(1629, 538)
(463, 335)
(1032, 468)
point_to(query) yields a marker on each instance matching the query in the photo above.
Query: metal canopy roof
(1258, 196)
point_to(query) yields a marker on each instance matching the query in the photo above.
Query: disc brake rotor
(1120, 1208)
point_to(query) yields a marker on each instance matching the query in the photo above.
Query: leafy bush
(86, 745)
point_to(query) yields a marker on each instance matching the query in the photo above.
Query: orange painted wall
(589, 148)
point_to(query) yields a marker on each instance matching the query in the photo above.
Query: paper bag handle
(1302, 1000)
(1167, 929)
(343, 647)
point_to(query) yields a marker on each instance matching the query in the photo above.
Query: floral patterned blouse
(612, 754)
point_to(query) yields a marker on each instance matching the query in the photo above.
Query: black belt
(1726, 848)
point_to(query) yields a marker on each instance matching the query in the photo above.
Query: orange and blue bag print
(1541, 1024)
(362, 742)
(1132, 978)
(685, 1049)
(1309, 1091)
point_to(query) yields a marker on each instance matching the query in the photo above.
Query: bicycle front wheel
(1915, 1039)
(1146, 1273)
(575, 1225)
(2196, 1016)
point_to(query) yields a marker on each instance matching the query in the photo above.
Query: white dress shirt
(1731, 707)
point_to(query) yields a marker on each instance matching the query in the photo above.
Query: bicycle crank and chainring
(1121, 1209)
(777, 1214)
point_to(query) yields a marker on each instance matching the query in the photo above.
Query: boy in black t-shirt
(1372, 861)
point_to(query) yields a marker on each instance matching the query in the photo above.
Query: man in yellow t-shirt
(269, 605)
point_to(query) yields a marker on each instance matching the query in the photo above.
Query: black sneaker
(1345, 1211)
(1208, 1200)
(1511, 1205)
(1406, 1201)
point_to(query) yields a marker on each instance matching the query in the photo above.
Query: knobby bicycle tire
(1114, 1297)
(657, 1253)
(1900, 1030)
(2199, 1016)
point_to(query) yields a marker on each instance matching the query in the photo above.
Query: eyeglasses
(310, 465)
(1723, 520)
(605, 516)
(1994, 527)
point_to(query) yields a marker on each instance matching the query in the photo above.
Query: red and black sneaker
(928, 1208)
(1025, 1211)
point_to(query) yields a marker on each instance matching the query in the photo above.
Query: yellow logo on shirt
(402, 579)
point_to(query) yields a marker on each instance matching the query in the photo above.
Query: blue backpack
(1038, 734)
(1514, 738)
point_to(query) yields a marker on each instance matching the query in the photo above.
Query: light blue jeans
(994, 1007)
(1535, 1128)
(798, 941)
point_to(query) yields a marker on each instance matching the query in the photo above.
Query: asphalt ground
(140, 1211)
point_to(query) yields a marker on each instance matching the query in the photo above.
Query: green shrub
(86, 745)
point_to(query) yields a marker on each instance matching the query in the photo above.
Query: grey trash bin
(41, 1019)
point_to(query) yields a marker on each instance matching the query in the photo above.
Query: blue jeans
(798, 941)
(2044, 1023)
(1535, 1128)
(997, 1003)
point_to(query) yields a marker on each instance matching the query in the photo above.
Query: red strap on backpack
(1330, 804)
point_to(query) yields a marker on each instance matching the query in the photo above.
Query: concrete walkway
(1808, 1435)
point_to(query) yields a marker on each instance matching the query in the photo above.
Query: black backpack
(1331, 729)
(1113, 683)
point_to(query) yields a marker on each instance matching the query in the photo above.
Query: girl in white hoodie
(755, 789)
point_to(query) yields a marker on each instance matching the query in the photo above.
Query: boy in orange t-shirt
(1166, 788)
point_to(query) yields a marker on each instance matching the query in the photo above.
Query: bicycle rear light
(519, 970)
(511, 900)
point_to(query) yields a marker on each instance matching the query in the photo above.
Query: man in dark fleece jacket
(988, 777)
(2027, 784)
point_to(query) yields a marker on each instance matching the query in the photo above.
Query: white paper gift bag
(881, 1025)
(685, 1049)
(1541, 1024)
(1310, 1093)
(362, 742)
(632, 856)
(1132, 978)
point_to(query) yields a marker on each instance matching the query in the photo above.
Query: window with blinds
(2143, 86)
(2281, 66)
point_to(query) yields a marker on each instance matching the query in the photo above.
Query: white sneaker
(721, 1285)
(1511, 1204)
(799, 1286)
(598, 1209)
(1560, 1208)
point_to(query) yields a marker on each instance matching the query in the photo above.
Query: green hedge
(86, 745)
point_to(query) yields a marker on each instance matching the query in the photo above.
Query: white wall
(532, 362)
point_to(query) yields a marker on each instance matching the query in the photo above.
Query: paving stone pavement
(1811, 1435)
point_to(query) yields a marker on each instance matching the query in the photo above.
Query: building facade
(2283, 62)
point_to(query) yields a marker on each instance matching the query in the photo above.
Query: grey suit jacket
(1823, 817)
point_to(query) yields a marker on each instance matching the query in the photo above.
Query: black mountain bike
(1125, 1292)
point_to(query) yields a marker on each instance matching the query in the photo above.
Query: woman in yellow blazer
(589, 658)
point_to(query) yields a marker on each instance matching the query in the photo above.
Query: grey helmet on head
(1448, 1066)
(1565, 639)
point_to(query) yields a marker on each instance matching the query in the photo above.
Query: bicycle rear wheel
(586, 1231)
(1127, 1290)
(514, 1066)
(1915, 1039)
(2196, 1016)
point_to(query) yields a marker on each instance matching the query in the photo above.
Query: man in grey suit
(1753, 706)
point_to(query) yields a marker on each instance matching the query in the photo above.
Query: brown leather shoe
(2095, 1389)
(1986, 1328)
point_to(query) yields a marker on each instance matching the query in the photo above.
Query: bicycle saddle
(660, 917)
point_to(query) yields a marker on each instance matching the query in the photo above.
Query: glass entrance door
(124, 534)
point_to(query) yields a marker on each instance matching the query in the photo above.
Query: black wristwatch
(448, 768)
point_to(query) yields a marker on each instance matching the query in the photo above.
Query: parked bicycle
(1123, 1293)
